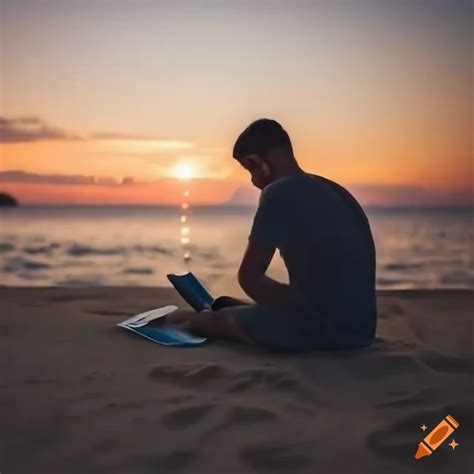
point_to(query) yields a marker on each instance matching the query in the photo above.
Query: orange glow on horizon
(422, 167)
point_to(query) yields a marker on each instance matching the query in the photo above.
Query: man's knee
(222, 324)
(218, 320)
(230, 326)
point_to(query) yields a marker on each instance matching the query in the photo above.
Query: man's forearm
(267, 291)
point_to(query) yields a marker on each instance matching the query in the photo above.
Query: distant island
(7, 200)
(244, 196)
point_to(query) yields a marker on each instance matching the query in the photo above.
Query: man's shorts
(291, 333)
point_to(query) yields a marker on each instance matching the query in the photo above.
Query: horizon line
(231, 205)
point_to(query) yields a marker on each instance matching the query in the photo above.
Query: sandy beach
(80, 395)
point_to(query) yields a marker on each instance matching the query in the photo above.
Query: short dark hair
(260, 137)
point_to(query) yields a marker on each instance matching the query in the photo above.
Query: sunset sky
(113, 101)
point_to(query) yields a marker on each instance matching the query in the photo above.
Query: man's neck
(287, 172)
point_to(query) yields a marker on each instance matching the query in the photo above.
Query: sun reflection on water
(185, 230)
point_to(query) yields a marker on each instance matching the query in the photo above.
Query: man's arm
(261, 288)
(270, 227)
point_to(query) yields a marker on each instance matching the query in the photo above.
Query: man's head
(264, 149)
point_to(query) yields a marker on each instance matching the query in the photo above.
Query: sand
(80, 395)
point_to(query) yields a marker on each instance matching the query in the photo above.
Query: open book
(163, 334)
(192, 290)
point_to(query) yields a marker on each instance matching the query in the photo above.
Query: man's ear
(266, 169)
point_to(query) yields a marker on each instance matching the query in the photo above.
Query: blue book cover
(192, 290)
(166, 335)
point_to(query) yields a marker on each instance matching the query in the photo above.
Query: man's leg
(219, 324)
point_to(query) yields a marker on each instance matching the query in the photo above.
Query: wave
(79, 250)
(152, 248)
(394, 281)
(19, 264)
(139, 271)
(6, 247)
(42, 249)
(457, 277)
(80, 282)
(403, 266)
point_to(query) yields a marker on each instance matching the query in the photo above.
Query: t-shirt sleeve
(268, 220)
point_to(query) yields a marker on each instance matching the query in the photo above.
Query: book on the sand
(192, 290)
(143, 319)
(194, 293)
(164, 334)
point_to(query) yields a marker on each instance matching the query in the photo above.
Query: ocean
(130, 245)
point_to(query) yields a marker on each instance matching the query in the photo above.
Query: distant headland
(7, 200)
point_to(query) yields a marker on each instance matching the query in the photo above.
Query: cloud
(18, 176)
(118, 136)
(140, 144)
(34, 129)
(31, 129)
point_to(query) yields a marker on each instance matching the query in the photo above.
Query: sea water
(129, 245)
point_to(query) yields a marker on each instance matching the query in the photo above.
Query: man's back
(325, 241)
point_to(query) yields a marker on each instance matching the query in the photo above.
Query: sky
(118, 102)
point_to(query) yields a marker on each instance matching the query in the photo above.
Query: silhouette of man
(325, 241)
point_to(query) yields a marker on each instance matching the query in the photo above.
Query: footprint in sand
(395, 308)
(174, 460)
(384, 364)
(246, 379)
(387, 311)
(184, 417)
(273, 379)
(448, 363)
(277, 457)
(280, 380)
(206, 374)
(410, 399)
(187, 375)
(177, 399)
(90, 377)
(244, 416)
(399, 440)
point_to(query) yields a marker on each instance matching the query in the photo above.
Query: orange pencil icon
(436, 437)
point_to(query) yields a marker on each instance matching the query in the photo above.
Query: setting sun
(184, 171)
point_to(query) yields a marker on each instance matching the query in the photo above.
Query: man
(324, 238)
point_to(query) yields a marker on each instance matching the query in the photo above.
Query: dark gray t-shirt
(324, 238)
